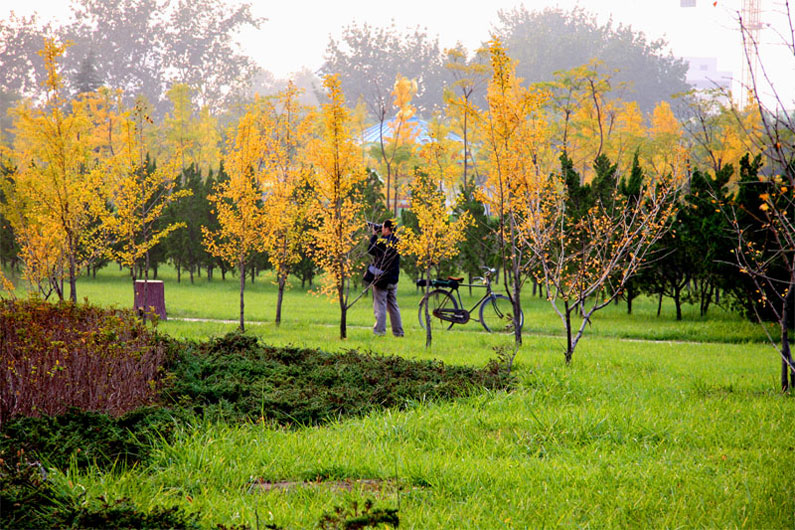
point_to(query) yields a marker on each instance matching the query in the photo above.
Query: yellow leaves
(403, 92)
(664, 122)
(284, 179)
(517, 138)
(50, 53)
(438, 238)
(6, 285)
(139, 193)
(54, 195)
(338, 176)
(238, 201)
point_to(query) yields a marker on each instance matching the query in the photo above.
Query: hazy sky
(297, 31)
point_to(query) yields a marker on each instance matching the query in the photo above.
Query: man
(386, 268)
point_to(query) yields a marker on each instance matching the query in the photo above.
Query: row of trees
(578, 190)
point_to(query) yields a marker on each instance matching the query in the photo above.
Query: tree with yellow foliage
(589, 123)
(53, 198)
(336, 210)
(437, 238)
(107, 114)
(470, 77)
(718, 133)
(238, 202)
(665, 148)
(195, 138)
(396, 146)
(516, 138)
(138, 193)
(284, 183)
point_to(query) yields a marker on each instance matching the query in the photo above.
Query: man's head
(386, 228)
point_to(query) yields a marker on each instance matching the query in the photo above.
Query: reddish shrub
(65, 355)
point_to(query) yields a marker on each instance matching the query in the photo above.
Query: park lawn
(310, 314)
(637, 431)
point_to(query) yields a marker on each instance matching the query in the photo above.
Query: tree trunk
(179, 271)
(659, 305)
(517, 310)
(72, 280)
(786, 361)
(343, 316)
(428, 334)
(242, 288)
(786, 354)
(190, 271)
(678, 304)
(279, 298)
(568, 333)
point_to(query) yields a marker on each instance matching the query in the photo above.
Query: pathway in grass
(543, 335)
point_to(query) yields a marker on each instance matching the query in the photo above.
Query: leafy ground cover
(637, 432)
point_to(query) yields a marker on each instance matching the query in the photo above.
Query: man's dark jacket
(385, 257)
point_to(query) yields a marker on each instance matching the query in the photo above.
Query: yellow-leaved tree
(437, 237)
(285, 185)
(396, 146)
(471, 76)
(105, 110)
(196, 138)
(516, 139)
(138, 192)
(720, 134)
(337, 208)
(238, 201)
(53, 198)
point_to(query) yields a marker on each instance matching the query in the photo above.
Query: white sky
(297, 31)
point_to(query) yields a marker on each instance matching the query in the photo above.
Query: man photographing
(386, 269)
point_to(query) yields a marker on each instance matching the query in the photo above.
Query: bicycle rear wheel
(436, 299)
(496, 314)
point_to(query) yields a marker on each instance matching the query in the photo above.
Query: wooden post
(150, 296)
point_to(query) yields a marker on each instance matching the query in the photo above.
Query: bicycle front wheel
(436, 299)
(496, 314)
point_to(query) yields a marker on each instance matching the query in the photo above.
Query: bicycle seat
(455, 279)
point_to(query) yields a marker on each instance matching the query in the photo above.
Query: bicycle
(495, 314)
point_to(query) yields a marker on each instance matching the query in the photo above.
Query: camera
(375, 227)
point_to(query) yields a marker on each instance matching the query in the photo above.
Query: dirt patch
(375, 486)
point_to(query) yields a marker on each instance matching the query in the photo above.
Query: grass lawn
(656, 423)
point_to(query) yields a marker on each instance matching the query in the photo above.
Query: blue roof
(371, 134)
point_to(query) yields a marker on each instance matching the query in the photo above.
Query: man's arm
(373, 248)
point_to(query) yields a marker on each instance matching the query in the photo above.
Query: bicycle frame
(450, 290)
(461, 315)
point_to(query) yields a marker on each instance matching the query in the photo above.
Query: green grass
(657, 423)
(312, 319)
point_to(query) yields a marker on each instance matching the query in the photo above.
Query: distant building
(373, 133)
(703, 74)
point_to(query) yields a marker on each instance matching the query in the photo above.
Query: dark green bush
(236, 377)
(88, 437)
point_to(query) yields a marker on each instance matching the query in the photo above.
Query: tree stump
(150, 297)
